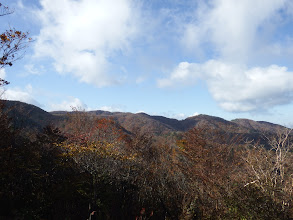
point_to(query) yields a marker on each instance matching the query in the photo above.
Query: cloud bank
(237, 88)
(70, 104)
(111, 108)
(17, 94)
(232, 30)
(235, 35)
(81, 36)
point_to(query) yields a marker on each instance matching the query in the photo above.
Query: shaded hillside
(28, 116)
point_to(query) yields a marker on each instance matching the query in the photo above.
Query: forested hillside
(93, 167)
(32, 117)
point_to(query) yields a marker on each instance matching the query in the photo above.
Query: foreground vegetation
(94, 169)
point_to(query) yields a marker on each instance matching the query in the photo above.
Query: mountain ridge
(30, 116)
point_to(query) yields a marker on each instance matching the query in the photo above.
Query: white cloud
(20, 5)
(231, 28)
(24, 95)
(235, 35)
(141, 79)
(140, 111)
(194, 114)
(181, 75)
(235, 87)
(69, 105)
(2, 74)
(82, 35)
(32, 69)
(73, 103)
(170, 114)
(179, 116)
(173, 115)
(111, 108)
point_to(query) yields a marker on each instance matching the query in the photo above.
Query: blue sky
(226, 58)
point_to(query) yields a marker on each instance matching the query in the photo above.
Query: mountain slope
(31, 117)
(258, 126)
(28, 116)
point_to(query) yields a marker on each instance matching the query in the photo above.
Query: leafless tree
(271, 169)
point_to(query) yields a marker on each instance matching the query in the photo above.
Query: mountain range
(28, 116)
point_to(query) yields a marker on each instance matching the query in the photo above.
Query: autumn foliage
(92, 168)
(12, 44)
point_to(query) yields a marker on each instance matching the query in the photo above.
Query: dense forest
(93, 168)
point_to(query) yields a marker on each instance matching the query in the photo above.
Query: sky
(225, 58)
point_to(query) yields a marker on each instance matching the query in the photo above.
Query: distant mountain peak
(261, 126)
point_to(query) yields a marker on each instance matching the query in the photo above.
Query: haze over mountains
(29, 116)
